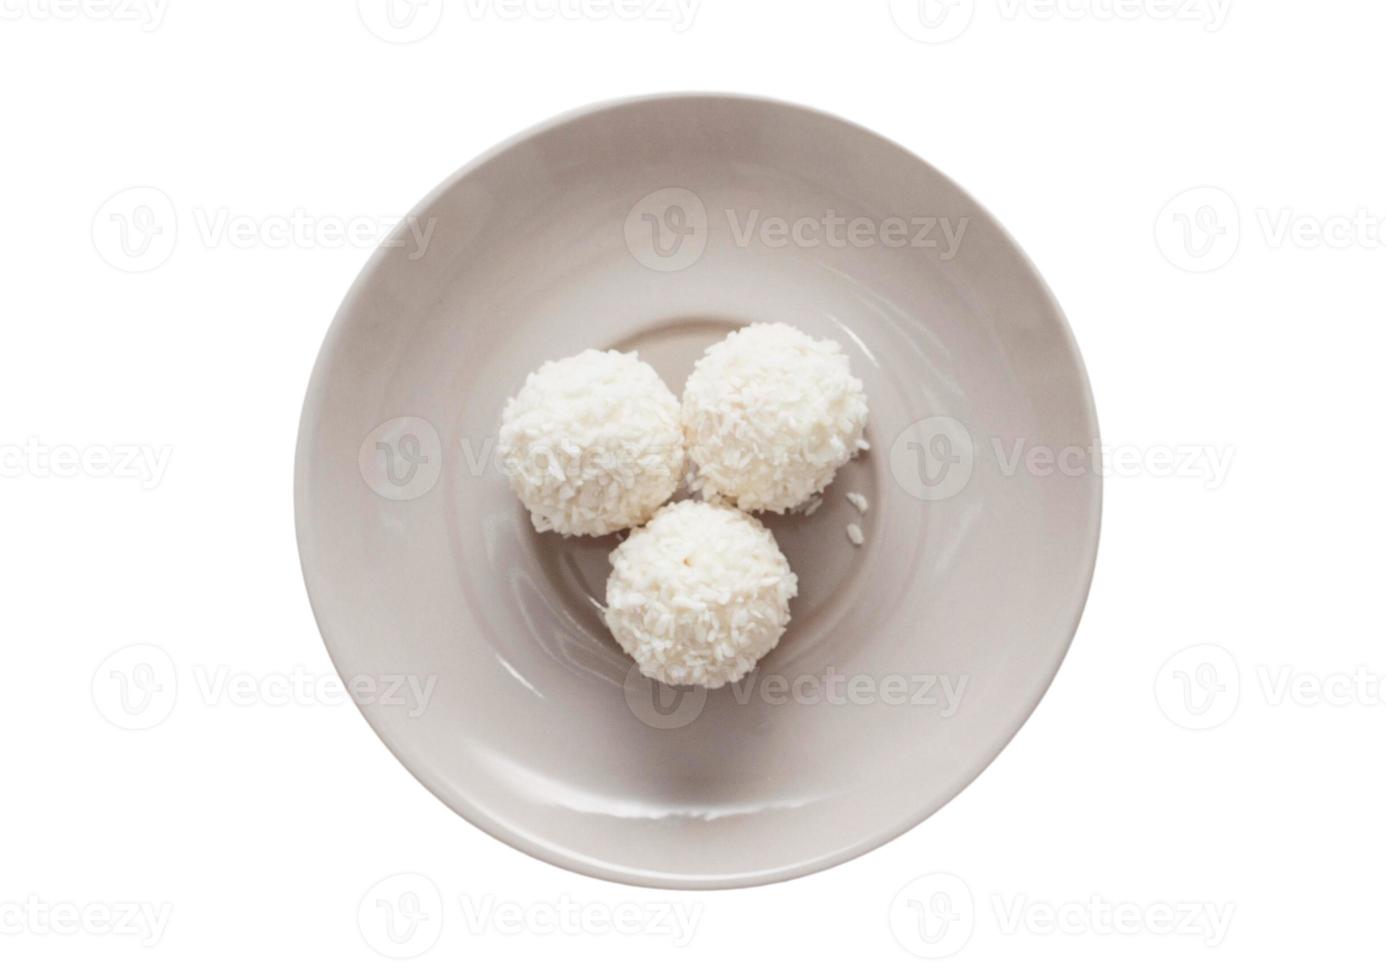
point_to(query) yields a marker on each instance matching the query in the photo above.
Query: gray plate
(650, 224)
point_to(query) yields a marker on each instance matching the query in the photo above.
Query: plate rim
(555, 855)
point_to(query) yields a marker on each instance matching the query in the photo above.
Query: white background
(260, 827)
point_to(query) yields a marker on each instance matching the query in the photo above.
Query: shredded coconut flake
(699, 595)
(592, 443)
(770, 414)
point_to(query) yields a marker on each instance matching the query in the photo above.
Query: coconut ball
(769, 415)
(699, 594)
(592, 443)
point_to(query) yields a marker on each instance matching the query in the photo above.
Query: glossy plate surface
(658, 224)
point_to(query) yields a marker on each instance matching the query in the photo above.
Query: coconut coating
(769, 415)
(591, 444)
(699, 595)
